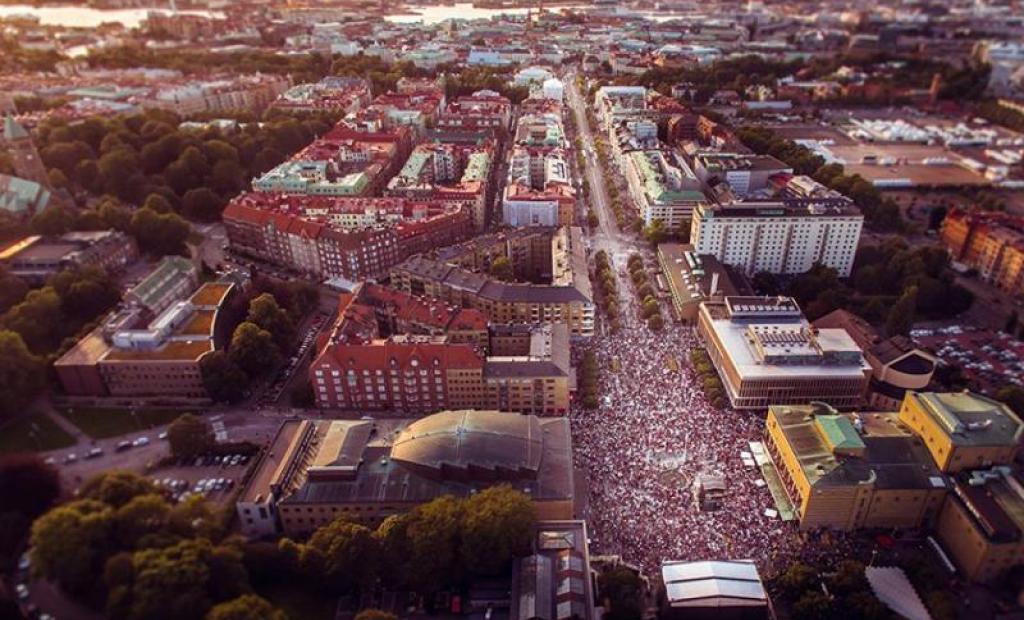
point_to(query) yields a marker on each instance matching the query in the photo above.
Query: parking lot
(211, 477)
(298, 361)
(990, 359)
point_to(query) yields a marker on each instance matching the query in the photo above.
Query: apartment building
(777, 238)
(228, 93)
(537, 253)
(367, 364)
(767, 354)
(992, 243)
(662, 187)
(350, 238)
(568, 300)
(457, 174)
(613, 103)
(346, 95)
(481, 111)
(539, 189)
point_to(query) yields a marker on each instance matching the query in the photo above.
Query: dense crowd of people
(652, 435)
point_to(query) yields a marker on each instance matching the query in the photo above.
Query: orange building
(992, 243)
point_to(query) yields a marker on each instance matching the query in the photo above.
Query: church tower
(27, 164)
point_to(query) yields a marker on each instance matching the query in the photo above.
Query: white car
(141, 441)
(162, 435)
(22, 591)
(24, 562)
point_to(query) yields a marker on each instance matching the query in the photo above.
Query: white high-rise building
(776, 237)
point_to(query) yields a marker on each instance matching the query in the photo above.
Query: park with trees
(262, 323)
(121, 546)
(892, 285)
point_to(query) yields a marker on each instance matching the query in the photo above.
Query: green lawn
(103, 422)
(298, 603)
(31, 433)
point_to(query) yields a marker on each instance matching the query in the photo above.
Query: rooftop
(713, 584)
(410, 461)
(853, 449)
(971, 419)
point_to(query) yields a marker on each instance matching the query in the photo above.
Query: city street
(655, 432)
(607, 236)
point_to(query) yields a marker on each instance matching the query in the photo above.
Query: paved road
(607, 236)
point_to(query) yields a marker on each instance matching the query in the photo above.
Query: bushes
(607, 285)
(713, 388)
(650, 309)
(588, 373)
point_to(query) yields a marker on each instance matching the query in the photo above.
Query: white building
(553, 89)
(662, 187)
(532, 75)
(766, 354)
(776, 238)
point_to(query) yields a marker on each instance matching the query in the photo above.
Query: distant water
(85, 17)
(462, 10)
(465, 10)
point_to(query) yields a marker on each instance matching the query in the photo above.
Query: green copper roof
(13, 129)
(839, 431)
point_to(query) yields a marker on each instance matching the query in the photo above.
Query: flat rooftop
(994, 501)
(690, 274)
(752, 363)
(831, 452)
(971, 419)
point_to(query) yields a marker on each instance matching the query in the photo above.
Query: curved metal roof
(488, 440)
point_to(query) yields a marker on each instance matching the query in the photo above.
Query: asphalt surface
(607, 236)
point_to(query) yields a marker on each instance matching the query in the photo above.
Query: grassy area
(31, 433)
(103, 422)
(298, 603)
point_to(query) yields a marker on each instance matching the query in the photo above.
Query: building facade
(766, 354)
(777, 238)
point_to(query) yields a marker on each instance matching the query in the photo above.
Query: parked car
(94, 453)
(162, 436)
(141, 441)
(70, 458)
(22, 591)
(123, 445)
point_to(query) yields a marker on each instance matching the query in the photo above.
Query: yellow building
(982, 521)
(963, 430)
(851, 471)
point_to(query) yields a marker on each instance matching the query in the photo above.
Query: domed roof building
(318, 470)
(472, 445)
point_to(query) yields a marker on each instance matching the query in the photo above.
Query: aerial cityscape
(511, 309)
